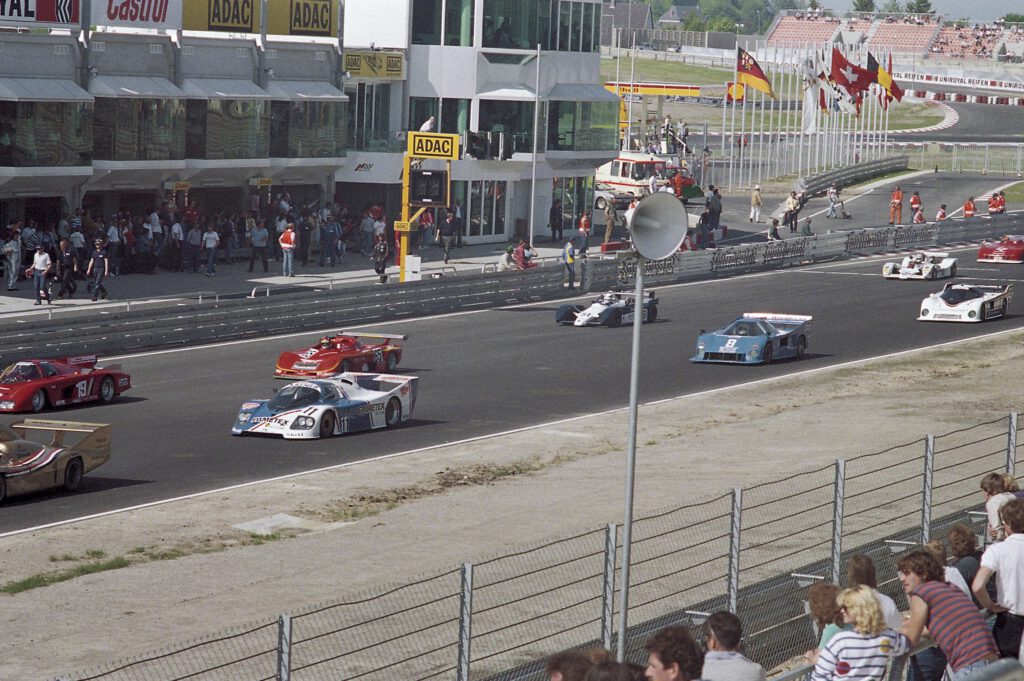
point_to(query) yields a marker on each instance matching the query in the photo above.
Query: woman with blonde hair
(863, 653)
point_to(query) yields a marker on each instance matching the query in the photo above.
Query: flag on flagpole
(884, 79)
(852, 77)
(748, 72)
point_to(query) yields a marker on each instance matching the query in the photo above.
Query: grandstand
(798, 29)
(968, 42)
(911, 36)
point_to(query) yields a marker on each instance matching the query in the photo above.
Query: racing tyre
(982, 313)
(107, 390)
(1002, 308)
(3, 489)
(345, 366)
(614, 318)
(327, 424)
(768, 353)
(392, 362)
(393, 412)
(73, 473)
(38, 400)
(952, 270)
(801, 347)
(652, 314)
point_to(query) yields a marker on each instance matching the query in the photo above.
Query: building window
(34, 134)
(517, 24)
(578, 27)
(426, 22)
(582, 126)
(458, 24)
(454, 116)
(514, 118)
(487, 208)
(420, 111)
(308, 129)
(227, 129)
(369, 112)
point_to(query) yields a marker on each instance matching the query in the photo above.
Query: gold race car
(29, 466)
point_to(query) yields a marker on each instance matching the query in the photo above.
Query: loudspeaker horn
(658, 225)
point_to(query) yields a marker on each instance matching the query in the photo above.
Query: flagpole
(760, 137)
(773, 122)
(732, 124)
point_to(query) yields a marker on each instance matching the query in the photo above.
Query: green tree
(919, 7)
(812, 4)
(723, 25)
(1014, 18)
(863, 5)
(694, 21)
(892, 7)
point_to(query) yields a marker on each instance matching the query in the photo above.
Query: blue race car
(755, 338)
(346, 403)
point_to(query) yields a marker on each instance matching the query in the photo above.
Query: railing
(498, 619)
(197, 296)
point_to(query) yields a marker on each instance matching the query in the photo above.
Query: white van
(631, 172)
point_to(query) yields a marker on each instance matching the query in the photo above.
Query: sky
(985, 11)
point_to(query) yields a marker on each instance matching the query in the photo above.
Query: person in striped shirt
(863, 653)
(954, 622)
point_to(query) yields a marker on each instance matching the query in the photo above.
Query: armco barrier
(848, 175)
(104, 332)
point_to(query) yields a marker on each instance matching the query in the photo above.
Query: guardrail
(850, 175)
(198, 296)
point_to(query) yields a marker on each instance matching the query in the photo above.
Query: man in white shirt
(860, 570)
(1005, 559)
(41, 266)
(429, 125)
(114, 247)
(177, 241)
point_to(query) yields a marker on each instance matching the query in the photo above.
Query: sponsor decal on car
(308, 364)
(273, 420)
(250, 405)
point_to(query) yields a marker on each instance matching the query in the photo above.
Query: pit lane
(482, 373)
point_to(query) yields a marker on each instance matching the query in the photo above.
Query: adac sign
(232, 16)
(302, 17)
(433, 145)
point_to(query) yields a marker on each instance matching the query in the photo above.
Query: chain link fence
(752, 551)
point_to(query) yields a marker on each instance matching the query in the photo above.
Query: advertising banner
(374, 64)
(27, 12)
(226, 16)
(158, 14)
(303, 17)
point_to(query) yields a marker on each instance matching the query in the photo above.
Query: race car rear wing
(87, 361)
(372, 334)
(774, 316)
(95, 437)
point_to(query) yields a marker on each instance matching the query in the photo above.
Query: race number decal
(731, 343)
(83, 389)
(378, 356)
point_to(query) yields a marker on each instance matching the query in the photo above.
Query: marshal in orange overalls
(896, 206)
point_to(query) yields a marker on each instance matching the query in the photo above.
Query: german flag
(748, 72)
(884, 78)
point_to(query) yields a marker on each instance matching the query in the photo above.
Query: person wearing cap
(287, 242)
(12, 256)
(755, 204)
(506, 263)
(98, 269)
(41, 266)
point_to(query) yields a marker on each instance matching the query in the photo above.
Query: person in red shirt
(941, 215)
(993, 203)
(584, 236)
(287, 242)
(896, 206)
(969, 209)
(915, 203)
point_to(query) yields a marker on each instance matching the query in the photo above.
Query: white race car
(966, 303)
(610, 309)
(921, 265)
(346, 403)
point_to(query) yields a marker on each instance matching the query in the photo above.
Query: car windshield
(744, 328)
(955, 296)
(19, 372)
(643, 171)
(295, 396)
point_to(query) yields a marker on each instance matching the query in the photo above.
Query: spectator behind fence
(963, 544)
(568, 665)
(822, 600)
(956, 625)
(723, 632)
(1006, 561)
(863, 653)
(950, 574)
(673, 655)
(993, 486)
(861, 571)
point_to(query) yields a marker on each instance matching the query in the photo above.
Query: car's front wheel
(73, 473)
(614, 318)
(38, 401)
(952, 270)
(327, 424)
(393, 412)
(652, 314)
(768, 353)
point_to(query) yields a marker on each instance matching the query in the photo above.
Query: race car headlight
(243, 417)
(700, 347)
(303, 423)
(924, 311)
(6, 405)
(972, 314)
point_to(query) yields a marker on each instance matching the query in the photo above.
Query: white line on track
(507, 432)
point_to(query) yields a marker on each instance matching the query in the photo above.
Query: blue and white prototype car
(347, 403)
(966, 303)
(755, 338)
(610, 309)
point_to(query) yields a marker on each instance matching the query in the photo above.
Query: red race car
(1008, 249)
(34, 384)
(339, 353)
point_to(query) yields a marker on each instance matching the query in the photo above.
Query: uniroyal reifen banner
(161, 14)
(302, 17)
(224, 16)
(24, 12)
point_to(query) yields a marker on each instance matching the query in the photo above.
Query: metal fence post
(985, 172)
(1011, 444)
(734, 549)
(837, 518)
(465, 621)
(608, 597)
(926, 493)
(284, 648)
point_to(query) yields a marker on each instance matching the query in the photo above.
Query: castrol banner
(158, 14)
(39, 13)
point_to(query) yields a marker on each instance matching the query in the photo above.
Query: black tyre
(768, 353)
(952, 270)
(983, 313)
(3, 489)
(327, 424)
(392, 361)
(614, 318)
(652, 314)
(38, 401)
(346, 365)
(73, 473)
(1002, 308)
(107, 390)
(801, 347)
(393, 412)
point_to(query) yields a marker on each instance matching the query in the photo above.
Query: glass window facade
(426, 22)
(227, 129)
(458, 23)
(35, 134)
(454, 116)
(517, 24)
(135, 129)
(582, 126)
(369, 111)
(578, 27)
(487, 207)
(575, 194)
(308, 129)
(421, 109)
(514, 118)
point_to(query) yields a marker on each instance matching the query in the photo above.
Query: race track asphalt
(482, 373)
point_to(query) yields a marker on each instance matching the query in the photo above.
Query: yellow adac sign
(403, 226)
(233, 16)
(302, 17)
(433, 145)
